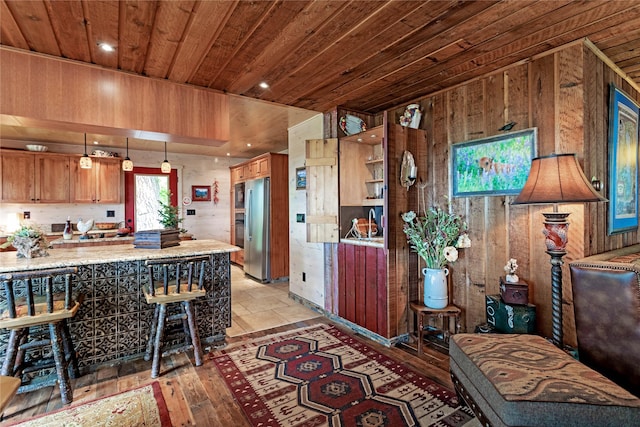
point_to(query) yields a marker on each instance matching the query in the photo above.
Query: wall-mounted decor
(623, 162)
(301, 178)
(201, 193)
(495, 165)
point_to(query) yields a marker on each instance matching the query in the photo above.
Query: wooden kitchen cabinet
(34, 177)
(362, 286)
(100, 184)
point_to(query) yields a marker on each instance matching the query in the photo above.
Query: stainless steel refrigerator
(256, 229)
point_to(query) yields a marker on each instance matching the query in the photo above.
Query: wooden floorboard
(197, 395)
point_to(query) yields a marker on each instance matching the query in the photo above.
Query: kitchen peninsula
(114, 320)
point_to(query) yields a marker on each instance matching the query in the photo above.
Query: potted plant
(436, 237)
(171, 220)
(29, 241)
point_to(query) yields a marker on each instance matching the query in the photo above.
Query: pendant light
(166, 166)
(85, 160)
(127, 164)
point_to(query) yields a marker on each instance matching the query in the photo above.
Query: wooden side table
(422, 311)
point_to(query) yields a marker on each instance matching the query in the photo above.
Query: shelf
(371, 136)
(373, 162)
(374, 181)
(373, 202)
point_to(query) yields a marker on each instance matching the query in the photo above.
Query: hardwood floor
(195, 395)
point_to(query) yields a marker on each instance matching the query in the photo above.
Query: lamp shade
(557, 178)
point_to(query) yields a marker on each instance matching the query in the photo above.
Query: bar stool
(161, 293)
(34, 299)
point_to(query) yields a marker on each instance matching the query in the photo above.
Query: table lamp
(555, 179)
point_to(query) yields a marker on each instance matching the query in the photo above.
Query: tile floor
(256, 306)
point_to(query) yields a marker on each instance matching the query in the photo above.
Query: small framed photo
(200, 193)
(624, 118)
(301, 178)
(497, 165)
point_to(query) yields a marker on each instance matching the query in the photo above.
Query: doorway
(144, 189)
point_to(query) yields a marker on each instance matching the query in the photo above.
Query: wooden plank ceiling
(316, 54)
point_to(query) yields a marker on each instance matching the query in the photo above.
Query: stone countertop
(97, 241)
(66, 257)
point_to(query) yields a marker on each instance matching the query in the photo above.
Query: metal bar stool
(34, 299)
(164, 291)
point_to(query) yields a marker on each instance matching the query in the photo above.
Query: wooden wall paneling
(353, 173)
(279, 251)
(321, 162)
(350, 280)
(342, 280)
(595, 148)
(172, 112)
(382, 296)
(543, 113)
(570, 106)
(469, 210)
(360, 286)
(517, 98)
(396, 203)
(371, 284)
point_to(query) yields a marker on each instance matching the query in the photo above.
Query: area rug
(321, 376)
(142, 406)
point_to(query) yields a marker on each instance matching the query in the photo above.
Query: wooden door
(108, 176)
(83, 186)
(18, 171)
(52, 178)
(321, 161)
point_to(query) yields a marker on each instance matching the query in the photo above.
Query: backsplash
(44, 215)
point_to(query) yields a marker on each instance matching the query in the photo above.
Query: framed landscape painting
(623, 162)
(496, 165)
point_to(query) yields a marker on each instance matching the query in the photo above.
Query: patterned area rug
(320, 376)
(143, 406)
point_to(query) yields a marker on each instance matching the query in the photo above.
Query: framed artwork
(623, 162)
(301, 178)
(200, 193)
(496, 165)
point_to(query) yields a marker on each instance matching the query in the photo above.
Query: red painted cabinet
(362, 286)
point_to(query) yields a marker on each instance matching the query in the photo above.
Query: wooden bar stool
(34, 299)
(164, 291)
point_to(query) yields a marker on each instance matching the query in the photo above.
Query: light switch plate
(300, 217)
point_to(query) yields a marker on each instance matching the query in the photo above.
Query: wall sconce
(166, 166)
(127, 164)
(85, 160)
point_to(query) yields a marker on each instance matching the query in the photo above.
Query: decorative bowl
(106, 225)
(36, 147)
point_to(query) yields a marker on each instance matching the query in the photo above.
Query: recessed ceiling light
(96, 143)
(106, 47)
(228, 154)
(248, 144)
(264, 85)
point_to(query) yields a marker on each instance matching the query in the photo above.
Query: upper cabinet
(34, 178)
(100, 184)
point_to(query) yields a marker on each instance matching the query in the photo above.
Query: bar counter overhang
(114, 320)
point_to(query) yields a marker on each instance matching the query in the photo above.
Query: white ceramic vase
(436, 293)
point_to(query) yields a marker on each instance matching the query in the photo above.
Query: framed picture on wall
(201, 193)
(496, 165)
(301, 178)
(623, 162)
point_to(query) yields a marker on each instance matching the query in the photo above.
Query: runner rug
(142, 406)
(321, 376)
